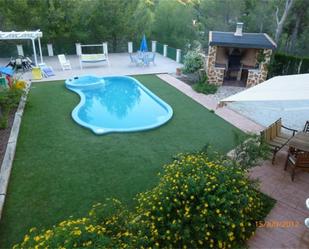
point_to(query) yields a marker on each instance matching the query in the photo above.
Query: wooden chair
(298, 160)
(275, 138)
(306, 127)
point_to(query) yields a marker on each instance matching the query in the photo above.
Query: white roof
(20, 35)
(279, 88)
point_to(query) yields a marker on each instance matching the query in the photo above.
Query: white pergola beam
(25, 35)
(13, 35)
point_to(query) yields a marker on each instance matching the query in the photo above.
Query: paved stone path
(274, 181)
(290, 206)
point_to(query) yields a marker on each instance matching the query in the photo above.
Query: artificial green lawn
(61, 169)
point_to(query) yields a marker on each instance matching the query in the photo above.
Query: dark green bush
(9, 99)
(202, 86)
(205, 87)
(283, 64)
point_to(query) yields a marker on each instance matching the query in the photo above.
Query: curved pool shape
(117, 104)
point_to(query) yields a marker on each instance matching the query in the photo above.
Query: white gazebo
(25, 35)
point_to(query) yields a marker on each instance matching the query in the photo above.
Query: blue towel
(7, 70)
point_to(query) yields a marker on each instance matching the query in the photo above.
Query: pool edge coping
(7, 163)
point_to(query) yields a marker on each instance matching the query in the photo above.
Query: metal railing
(170, 52)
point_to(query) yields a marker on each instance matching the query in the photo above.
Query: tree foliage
(178, 23)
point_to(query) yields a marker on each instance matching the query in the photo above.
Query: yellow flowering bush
(198, 203)
(96, 230)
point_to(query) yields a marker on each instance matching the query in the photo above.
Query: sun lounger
(36, 73)
(65, 64)
(47, 71)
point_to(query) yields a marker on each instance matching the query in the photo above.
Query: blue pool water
(117, 104)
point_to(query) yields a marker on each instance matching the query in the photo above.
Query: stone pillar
(164, 50)
(264, 65)
(20, 50)
(130, 47)
(50, 49)
(215, 74)
(253, 77)
(153, 46)
(178, 55)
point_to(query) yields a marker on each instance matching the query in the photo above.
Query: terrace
(119, 64)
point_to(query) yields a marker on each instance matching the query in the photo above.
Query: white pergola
(25, 35)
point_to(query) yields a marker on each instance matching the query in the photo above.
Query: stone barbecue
(239, 59)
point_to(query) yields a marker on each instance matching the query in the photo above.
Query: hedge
(283, 64)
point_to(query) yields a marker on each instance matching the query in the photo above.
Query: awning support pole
(34, 53)
(40, 49)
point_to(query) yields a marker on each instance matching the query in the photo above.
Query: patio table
(300, 141)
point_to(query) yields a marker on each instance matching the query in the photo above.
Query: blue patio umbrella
(143, 47)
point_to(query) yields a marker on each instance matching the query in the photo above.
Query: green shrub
(193, 61)
(198, 203)
(283, 64)
(202, 86)
(250, 151)
(205, 87)
(9, 99)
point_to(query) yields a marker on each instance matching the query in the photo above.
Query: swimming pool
(117, 104)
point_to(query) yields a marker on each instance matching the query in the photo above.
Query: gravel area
(226, 91)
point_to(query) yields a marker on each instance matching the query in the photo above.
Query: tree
(173, 23)
(280, 23)
(217, 15)
(296, 24)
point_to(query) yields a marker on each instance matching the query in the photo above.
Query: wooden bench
(275, 138)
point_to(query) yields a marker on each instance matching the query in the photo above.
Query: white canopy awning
(20, 35)
(23, 35)
(279, 88)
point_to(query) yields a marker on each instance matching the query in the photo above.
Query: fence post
(105, 48)
(178, 55)
(165, 50)
(153, 46)
(50, 49)
(20, 50)
(78, 49)
(130, 47)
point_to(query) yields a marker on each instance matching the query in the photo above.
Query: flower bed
(9, 99)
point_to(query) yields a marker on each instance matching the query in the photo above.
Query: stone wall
(256, 76)
(215, 74)
(253, 77)
(264, 65)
